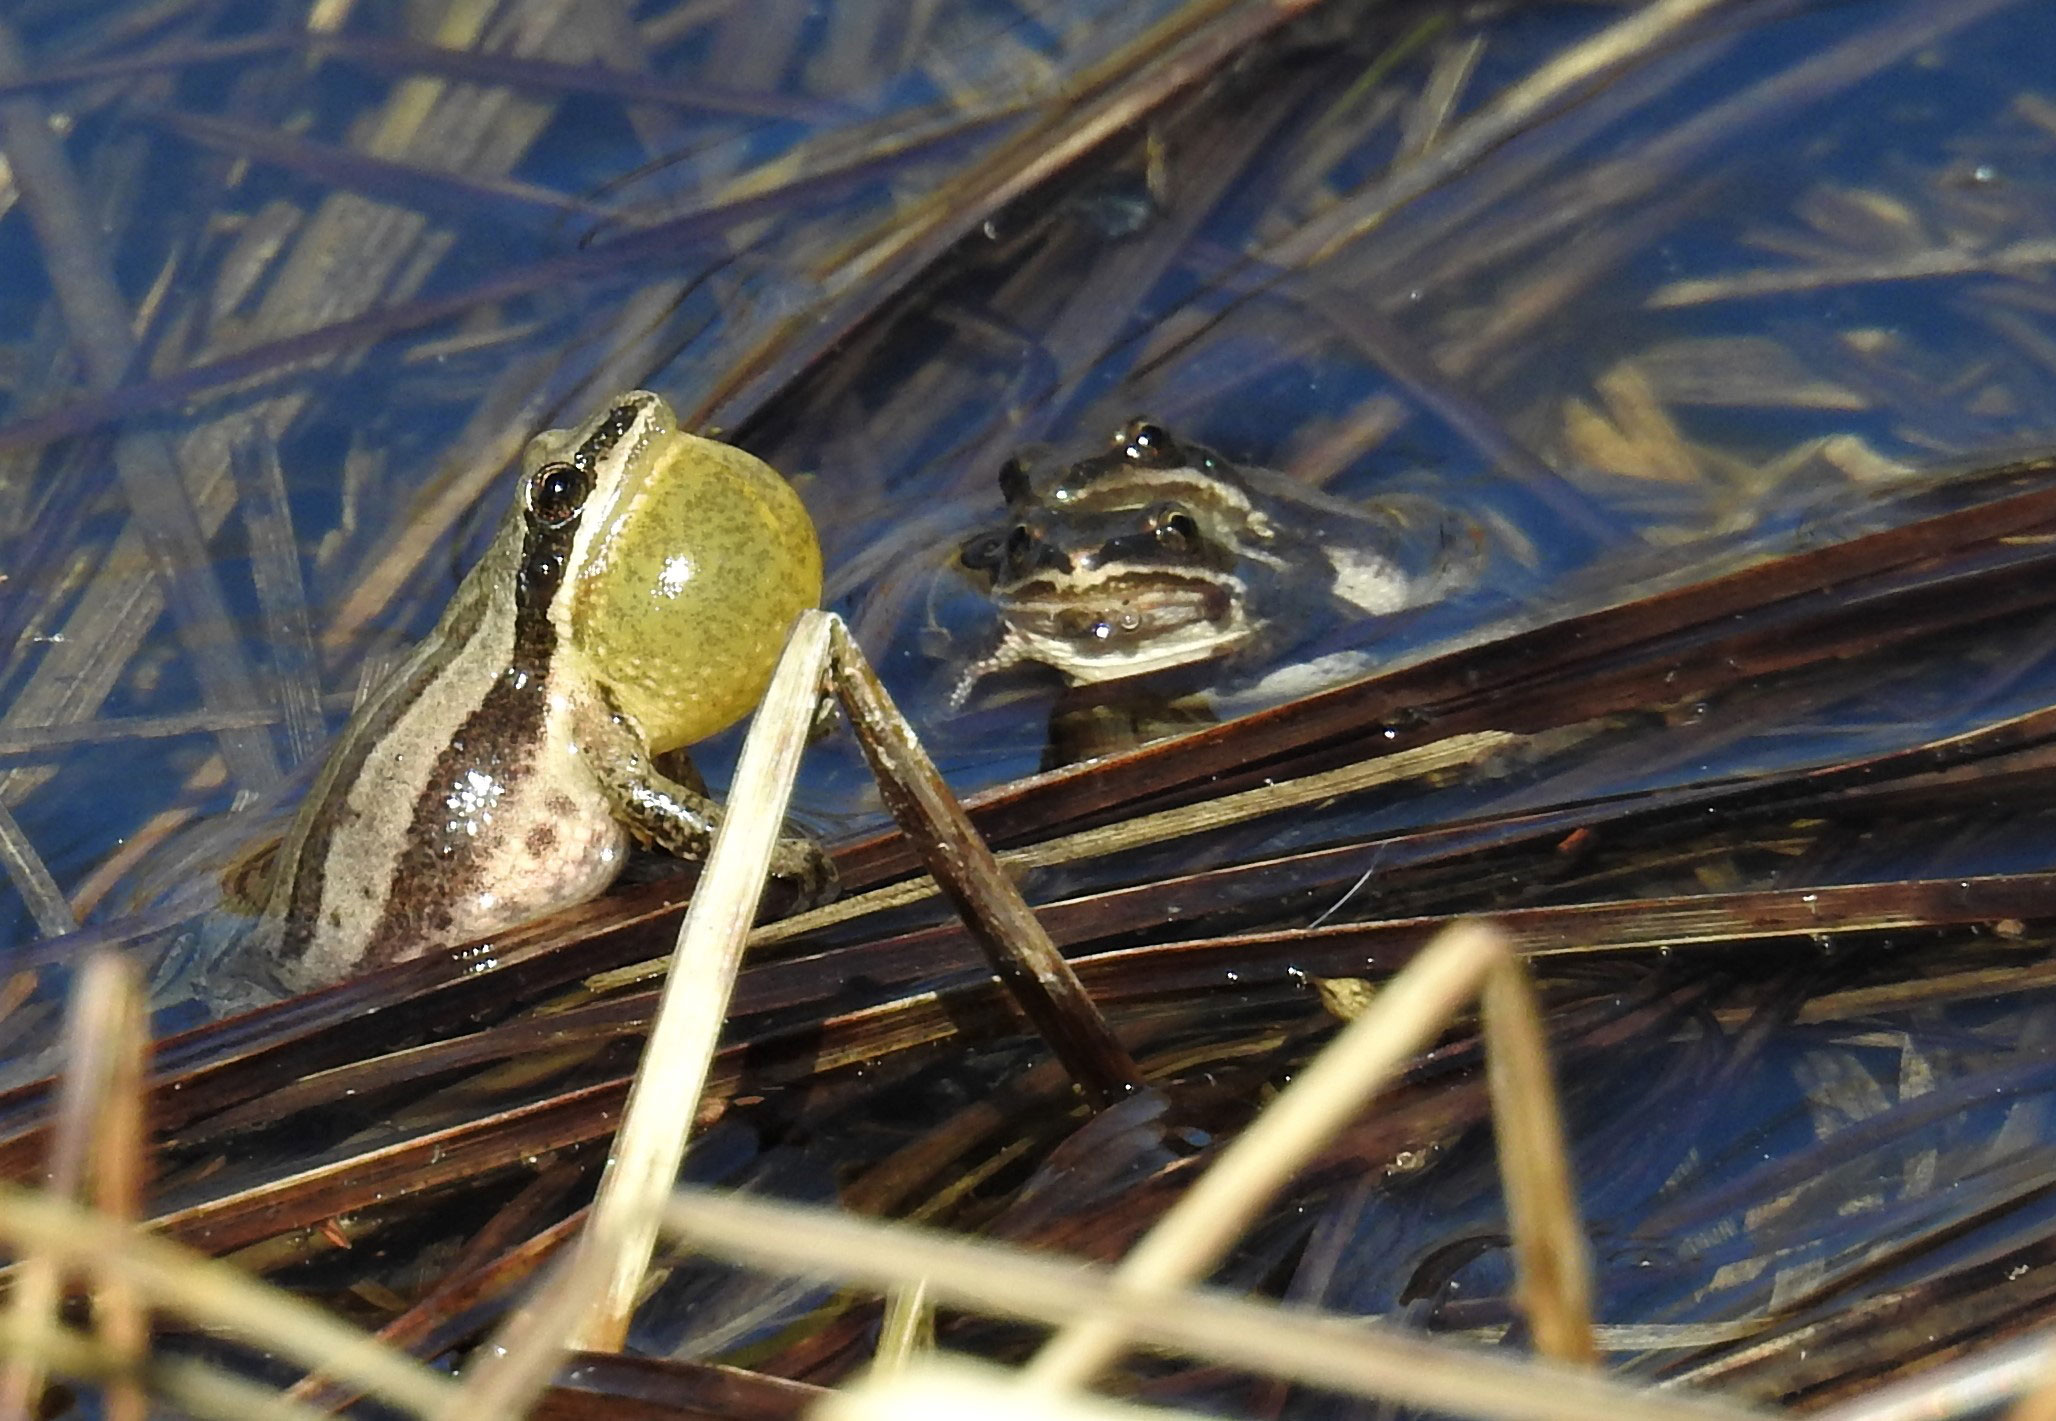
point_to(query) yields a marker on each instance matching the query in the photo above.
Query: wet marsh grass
(241, 434)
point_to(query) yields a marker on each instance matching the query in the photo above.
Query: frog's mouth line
(1115, 627)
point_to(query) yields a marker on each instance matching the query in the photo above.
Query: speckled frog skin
(634, 601)
(1159, 555)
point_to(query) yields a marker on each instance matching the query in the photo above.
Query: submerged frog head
(686, 563)
(1124, 564)
(1158, 554)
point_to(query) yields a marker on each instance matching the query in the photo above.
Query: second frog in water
(1160, 562)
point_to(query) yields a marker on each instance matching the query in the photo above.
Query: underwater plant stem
(1016, 945)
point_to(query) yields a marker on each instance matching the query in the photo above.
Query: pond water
(1789, 258)
(284, 290)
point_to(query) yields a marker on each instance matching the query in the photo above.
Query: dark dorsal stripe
(437, 864)
(306, 873)
(611, 431)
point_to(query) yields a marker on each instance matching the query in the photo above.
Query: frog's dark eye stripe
(616, 427)
(557, 491)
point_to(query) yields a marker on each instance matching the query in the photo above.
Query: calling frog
(633, 601)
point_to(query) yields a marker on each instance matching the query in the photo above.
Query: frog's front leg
(679, 819)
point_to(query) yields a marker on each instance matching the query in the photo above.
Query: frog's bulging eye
(556, 492)
(1174, 527)
(1146, 442)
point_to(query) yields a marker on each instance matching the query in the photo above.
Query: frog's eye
(1175, 528)
(1146, 442)
(556, 492)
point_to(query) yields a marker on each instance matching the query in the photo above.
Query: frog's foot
(806, 866)
(1010, 649)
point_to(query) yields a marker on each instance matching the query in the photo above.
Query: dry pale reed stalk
(1549, 1245)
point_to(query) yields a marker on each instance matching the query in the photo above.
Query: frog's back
(449, 808)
